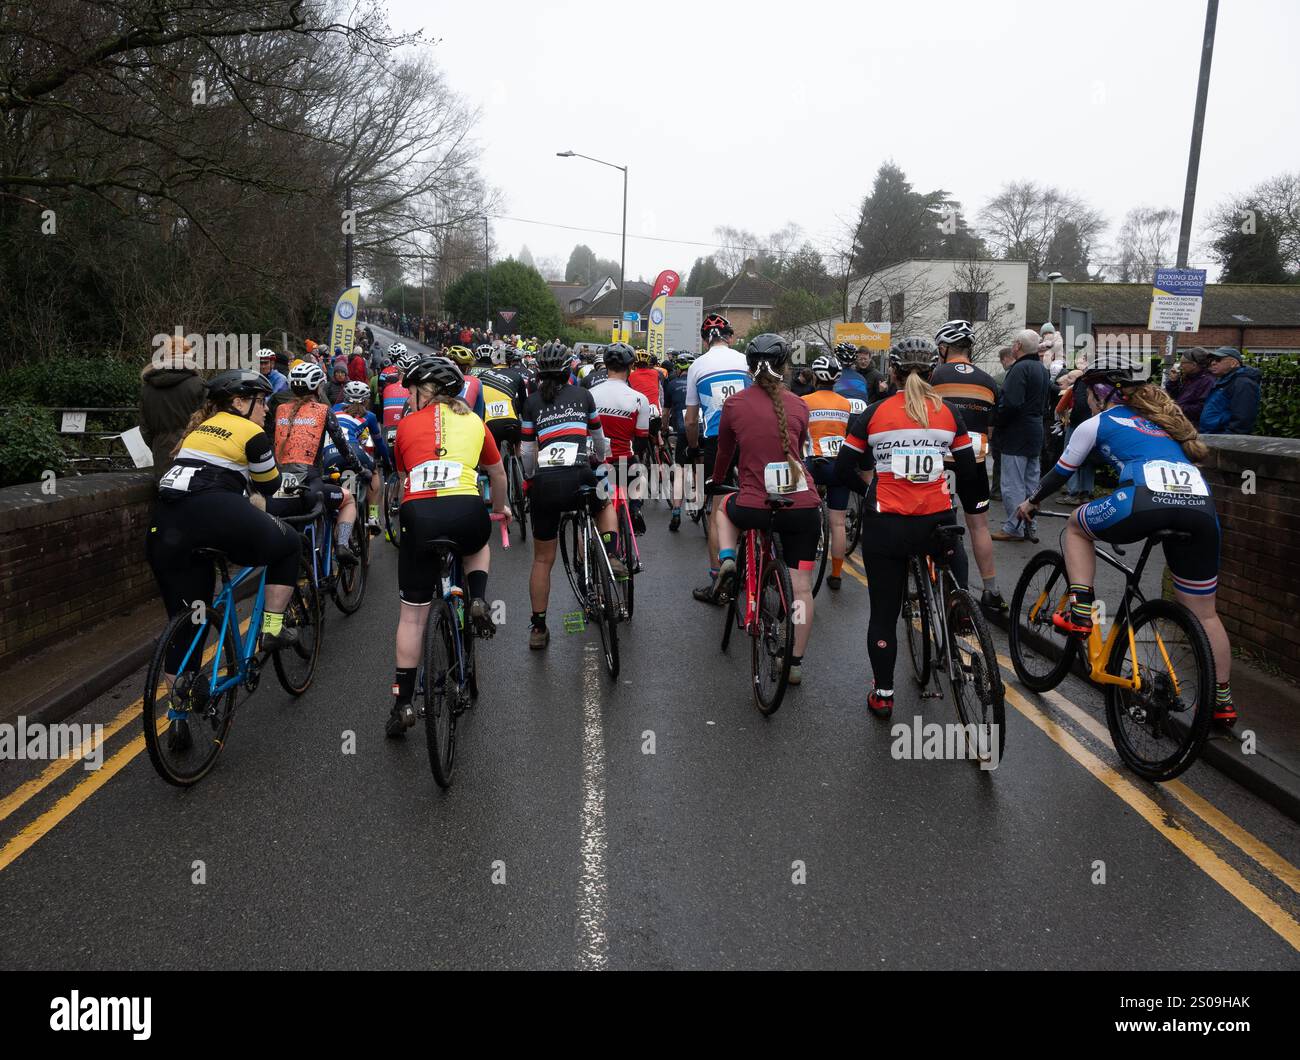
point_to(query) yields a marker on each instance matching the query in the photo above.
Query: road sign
(1176, 297)
(74, 423)
(507, 314)
(682, 319)
(632, 318)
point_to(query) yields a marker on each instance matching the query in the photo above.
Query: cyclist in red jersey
(625, 421)
(648, 380)
(903, 441)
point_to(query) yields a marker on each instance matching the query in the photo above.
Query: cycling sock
(726, 554)
(1081, 606)
(795, 660)
(991, 585)
(343, 535)
(539, 620)
(404, 683)
(611, 541)
(677, 509)
(477, 584)
(837, 565)
(374, 511)
(1223, 694)
(272, 622)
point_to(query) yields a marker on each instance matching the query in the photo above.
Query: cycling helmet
(484, 353)
(682, 359)
(356, 392)
(442, 372)
(406, 360)
(265, 355)
(915, 353)
(847, 354)
(644, 359)
(715, 326)
(306, 377)
(389, 374)
(826, 369)
(1117, 368)
(238, 382)
(461, 355)
(619, 356)
(396, 350)
(513, 356)
(767, 352)
(554, 359)
(955, 333)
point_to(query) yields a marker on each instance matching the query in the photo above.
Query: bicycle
(943, 622)
(392, 496)
(185, 728)
(763, 583)
(517, 496)
(344, 583)
(629, 551)
(1158, 713)
(447, 681)
(591, 577)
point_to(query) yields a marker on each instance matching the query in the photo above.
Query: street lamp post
(1052, 279)
(622, 260)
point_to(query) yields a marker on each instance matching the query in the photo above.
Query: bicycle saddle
(775, 501)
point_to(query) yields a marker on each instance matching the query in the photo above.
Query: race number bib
(856, 405)
(916, 464)
(436, 475)
(178, 478)
(979, 445)
(558, 454)
(1172, 476)
(288, 482)
(722, 391)
(777, 479)
(656, 412)
(830, 445)
(497, 409)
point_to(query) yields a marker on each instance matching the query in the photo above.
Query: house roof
(638, 301)
(1128, 304)
(746, 289)
(563, 292)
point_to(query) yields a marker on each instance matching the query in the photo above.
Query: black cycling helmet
(769, 351)
(442, 372)
(619, 356)
(1118, 368)
(955, 333)
(915, 353)
(826, 369)
(239, 382)
(847, 354)
(554, 358)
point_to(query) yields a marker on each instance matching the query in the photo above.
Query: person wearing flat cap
(1233, 405)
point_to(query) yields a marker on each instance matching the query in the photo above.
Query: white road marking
(592, 888)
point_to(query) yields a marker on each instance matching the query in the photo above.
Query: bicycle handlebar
(503, 519)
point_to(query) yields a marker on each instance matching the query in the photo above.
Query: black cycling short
(708, 453)
(975, 498)
(505, 431)
(823, 474)
(301, 504)
(798, 528)
(553, 492)
(887, 534)
(462, 519)
(682, 447)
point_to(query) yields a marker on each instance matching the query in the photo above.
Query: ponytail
(206, 411)
(550, 387)
(772, 386)
(1154, 404)
(916, 392)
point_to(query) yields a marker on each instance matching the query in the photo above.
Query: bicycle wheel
(627, 553)
(1040, 653)
(604, 606)
(852, 523)
(772, 644)
(518, 498)
(393, 509)
(570, 536)
(1160, 729)
(823, 548)
(295, 667)
(350, 589)
(916, 622)
(440, 692)
(185, 727)
(975, 678)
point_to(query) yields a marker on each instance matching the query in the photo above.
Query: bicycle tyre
(852, 523)
(985, 676)
(1194, 733)
(604, 610)
(916, 622)
(303, 614)
(1027, 639)
(350, 586)
(181, 629)
(393, 509)
(518, 498)
(570, 535)
(823, 548)
(627, 589)
(439, 693)
(776, 580)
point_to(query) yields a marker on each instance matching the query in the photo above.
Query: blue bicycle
(191, 688)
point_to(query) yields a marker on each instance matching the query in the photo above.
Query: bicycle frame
(620, 503)
(226, 601)
(759, 552)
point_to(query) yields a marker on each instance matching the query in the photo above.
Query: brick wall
(70, 558)
(1243, 337)
(1259, 577)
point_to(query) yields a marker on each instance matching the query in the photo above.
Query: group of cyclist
(912, 444)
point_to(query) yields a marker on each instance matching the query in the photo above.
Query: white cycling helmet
(405, 360)
(396, 350)
(954, 333)
(306, 378)
(356, 392)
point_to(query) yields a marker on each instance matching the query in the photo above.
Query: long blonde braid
(773, 387)
(1161, 409)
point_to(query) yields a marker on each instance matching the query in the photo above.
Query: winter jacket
(1190, 394)
(1233, 404)
(168, 398)
(1018, 418)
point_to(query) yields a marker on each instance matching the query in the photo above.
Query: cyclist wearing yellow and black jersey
(504, 391)
(973, 392)
(1143, 434)
(203, 503)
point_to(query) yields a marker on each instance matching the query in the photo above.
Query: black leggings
(221, 520)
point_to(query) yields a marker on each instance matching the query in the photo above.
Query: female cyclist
(441, 445)
(1153, 447)
(562, 438)
(903, 439)
(769, 426)
(364, 436)
(203, 503)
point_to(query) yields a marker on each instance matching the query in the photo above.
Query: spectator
(338, 379)
(1052, 349)
(1190, 382)
(1018, 426)
(170, 392)
(877, 384)
(1072, 409)
(358, 369)
(1233, 404)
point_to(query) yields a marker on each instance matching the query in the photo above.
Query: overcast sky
(758, 113)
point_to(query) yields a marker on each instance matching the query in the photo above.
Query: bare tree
(1023, 220)
(981, 294)
(1147, 239)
